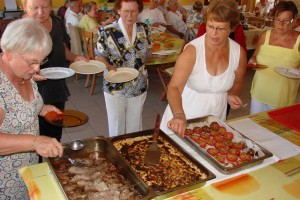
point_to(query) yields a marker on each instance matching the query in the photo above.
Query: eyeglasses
(284, 21)
(34, 64)
(218, 29)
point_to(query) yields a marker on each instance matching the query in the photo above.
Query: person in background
(195, 15)
(25, 45)
(125, 44)
(176, 25)
(263, 7)
(88, 21)
(208, 73)
(162, 7)
(72, 16)
(154, 15)
(276, 47)
(62, 10)
(54, 92)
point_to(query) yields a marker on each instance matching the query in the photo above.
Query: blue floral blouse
(119, 52)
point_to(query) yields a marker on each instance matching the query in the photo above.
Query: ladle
(77, 145)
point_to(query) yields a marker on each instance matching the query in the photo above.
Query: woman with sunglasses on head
(25, 44)
(276, 47)
(208, 73)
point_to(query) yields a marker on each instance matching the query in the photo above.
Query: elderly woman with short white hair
(25, 45)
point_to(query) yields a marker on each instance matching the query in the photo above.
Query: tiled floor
(94, 106)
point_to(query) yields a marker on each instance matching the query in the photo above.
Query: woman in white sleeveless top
(209, 72)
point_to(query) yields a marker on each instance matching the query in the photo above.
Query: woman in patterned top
(125, 44)
(25, 44)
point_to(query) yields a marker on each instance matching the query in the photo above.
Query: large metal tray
(101, 144)
(180, 189)
(262, 152)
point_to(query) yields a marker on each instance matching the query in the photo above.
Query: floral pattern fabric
(119, 52)
(194, 17)
(21, 117)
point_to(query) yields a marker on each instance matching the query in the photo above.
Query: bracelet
(178, 114)
(33, 146)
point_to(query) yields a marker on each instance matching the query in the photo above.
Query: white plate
(121, 75)
(288, 72)
(92, 67)
(164, 52)
(56, 72)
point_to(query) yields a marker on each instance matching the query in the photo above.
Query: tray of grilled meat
(99, 173)
(226, 148)
(176, 171)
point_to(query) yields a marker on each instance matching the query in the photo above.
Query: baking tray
(101, 144)
(262, 153)
(289, 116)
(179, 189)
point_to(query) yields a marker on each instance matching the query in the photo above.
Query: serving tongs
(153, 153)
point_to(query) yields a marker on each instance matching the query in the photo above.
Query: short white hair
(26, 36)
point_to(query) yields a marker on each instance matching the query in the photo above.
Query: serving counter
(277, 177)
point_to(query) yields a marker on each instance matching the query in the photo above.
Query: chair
(168, 71)
(190, 31)
(76, 46)
(88, 47)
(258, 22)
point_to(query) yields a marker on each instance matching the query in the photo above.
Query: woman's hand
(178, 123)
(234, 101)
(78, 58)
(37, 77)
(49, 108)
(252, 61)
(47, 147)
(111, 67)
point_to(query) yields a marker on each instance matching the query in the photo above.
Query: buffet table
(272, 179)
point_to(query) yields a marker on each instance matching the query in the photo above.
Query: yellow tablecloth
(269, 182)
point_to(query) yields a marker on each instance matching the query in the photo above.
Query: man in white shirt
(72, 14)
(264, 6)
(154, 15)
(162, 7)
(176, 25)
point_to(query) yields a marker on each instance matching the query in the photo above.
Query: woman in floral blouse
(125, 44)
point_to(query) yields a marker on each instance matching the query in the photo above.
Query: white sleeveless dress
(204, 94)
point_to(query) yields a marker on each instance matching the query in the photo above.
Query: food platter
(57, 73)
(69, 118)
(227, 149)
(160, 178)
(121, 75)
(91, 67)
(164, 52)
(288, 72)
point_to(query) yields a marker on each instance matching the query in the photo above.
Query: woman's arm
(183, 68)
(73, 57)
(260, 41)
(233, 98)
(16, 143)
